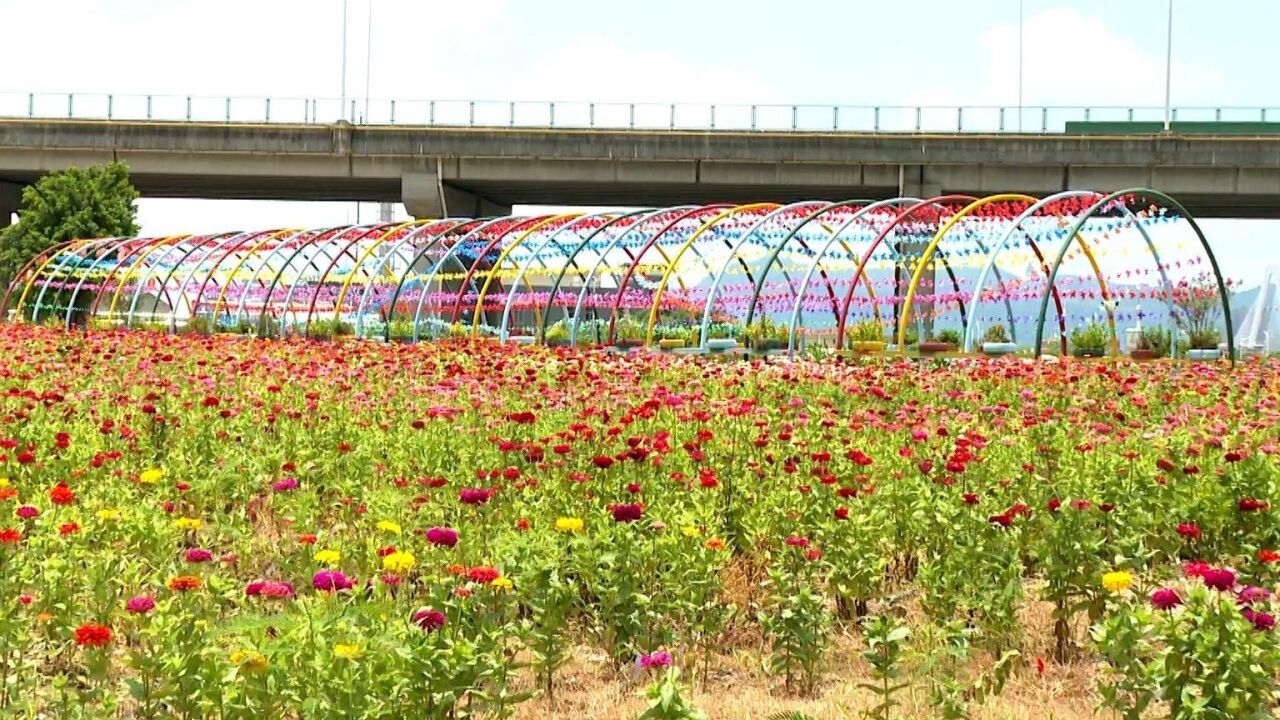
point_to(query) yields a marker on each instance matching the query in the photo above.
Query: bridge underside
(465, 171)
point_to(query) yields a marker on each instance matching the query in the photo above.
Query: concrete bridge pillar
(10, 199)
(425, 196)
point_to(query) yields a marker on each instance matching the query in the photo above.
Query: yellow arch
(927, 256)
(115, 296)
(666, 275)
(484, 289)
(222, 293)
(22, 299)
(346, 285)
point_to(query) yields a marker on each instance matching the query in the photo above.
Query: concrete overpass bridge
(1217, 170)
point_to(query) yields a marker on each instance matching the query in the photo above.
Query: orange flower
(456, 569)
(183, 583)
(715, 543)
(8, 493)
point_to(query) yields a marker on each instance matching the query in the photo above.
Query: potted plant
(996, 341)
(629, 333)
(944, 341)
(557, 334)
(765, 335)
(400, 331)
(1090, 340)
(867, 337)
(1204, 344)
(1152, 343)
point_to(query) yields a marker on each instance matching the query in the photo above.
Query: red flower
(1268, 556)
(1251, 504)
(93, 635)
(483, 574)
(604, 462)
(797, 541)
(842, 513)
(627, 512)
(60, 494)
(10, 536)
(970, 498)
(68, 529)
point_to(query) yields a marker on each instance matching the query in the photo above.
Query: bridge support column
(10, 199)
(425, 196)
(915, 181)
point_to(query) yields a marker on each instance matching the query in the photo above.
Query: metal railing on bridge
(604, 115)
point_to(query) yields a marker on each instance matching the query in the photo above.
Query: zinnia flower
(92, 635)
(569, 525)
(1189, 531)
(250, 662)
(429, 620)
(347, 652)
(1219, 579)
(198, 555)
(399, 562)
(27, 512)
(187, 523)
(60, 494)
(445, 536)
(109, 514)
(151, 476)
(474, 496)
(285, 485)
(1251, 594)
(656, 659)
(1261, 620)
(330, 581)
(140, 604)
(184, 583)
(389, 527)
(483, 574)
(1117, 581)
(10, 536)
(627, 512)
(1165, 599)
(501, 584)
(328, 557)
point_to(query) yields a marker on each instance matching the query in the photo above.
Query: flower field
(202, 527)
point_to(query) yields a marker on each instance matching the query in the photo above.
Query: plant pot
(628, 344)
(996, 349)
(1088, 353)
(719, 345)
(558, 342)
(1142, 354)
(669, 344)
(934, 347)
(868, 346)
(1204, 354)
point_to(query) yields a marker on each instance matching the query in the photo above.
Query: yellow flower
(4, 482)
(348, 652)
(501, 583)
(251, 662)
(328, 557)
(691, 531)
(1117, 581)
(151, 477)
(187, 523)
(109, 514)
(568, 525)
(388, 526)
(399, 562)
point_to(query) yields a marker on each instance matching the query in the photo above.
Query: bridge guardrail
(603, 115)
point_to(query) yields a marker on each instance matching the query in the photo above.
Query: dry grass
(591, 687)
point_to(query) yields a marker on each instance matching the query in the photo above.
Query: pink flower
(445, 536)
(1251, 594)
(1165, 599)
(429, 620)
(474, 496)
(657, 659)
(140, 604)
(1219, 579)
(1261, 620)
(285, 485)
(27, 512)
(330, 581)
(198, 555)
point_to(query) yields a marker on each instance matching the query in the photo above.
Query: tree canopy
(97, 201)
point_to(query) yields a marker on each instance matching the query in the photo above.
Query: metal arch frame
(773, 256)
(251, 252)
(437, 240)
(569, 218)
(954, 220)
(525, 227)
(142, 244)
(186, 276)
(320, 236)
(652, 242)
(671, 265)
(210, 244)
(34, 263)
(361, 232)
(842, 321)
(705, 326)
(608, 219)
(208, 276)
(422, 226)
(391, 252)
(387, 230)
(1204, 243)
(971, 326)
(430, 275)
(555, 286)
(124, 280)
(683, 211)
(804, 286)
(44, 287)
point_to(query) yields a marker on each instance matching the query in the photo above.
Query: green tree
(71, 204)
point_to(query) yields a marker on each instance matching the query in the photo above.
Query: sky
(849, 52)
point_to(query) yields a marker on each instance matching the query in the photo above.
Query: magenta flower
(656, 659)
(27, 512)
(474, 496)
(285, 485)
(1219, 579)
(140, 604)
(445, 536)
(1252, 594)
(198, 555)
(275, 590)
(1165, 599)
(626, 513)
(330, 581)
(429, 620)
(1260, 620)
